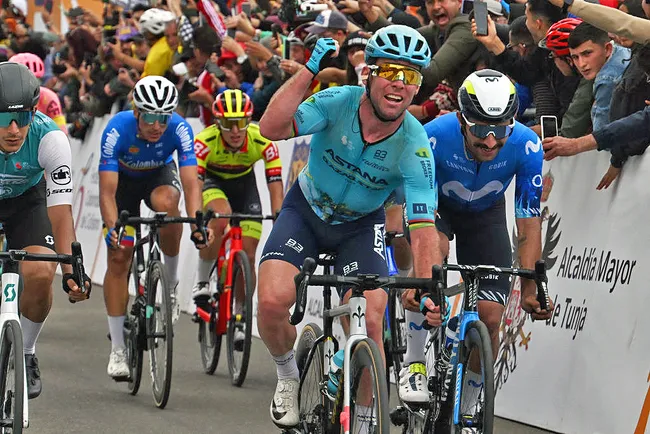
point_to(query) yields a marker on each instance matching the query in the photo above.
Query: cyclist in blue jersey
(478, 151)
(136, 165)
(35, 202)
(364, 144)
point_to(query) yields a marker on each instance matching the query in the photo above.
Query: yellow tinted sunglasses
(228, 124)
(393, 72)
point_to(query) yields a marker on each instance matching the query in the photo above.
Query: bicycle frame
(9, 311)
(153, 240)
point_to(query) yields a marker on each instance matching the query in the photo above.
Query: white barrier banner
(587, 369)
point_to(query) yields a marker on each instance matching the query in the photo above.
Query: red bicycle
(230, 272)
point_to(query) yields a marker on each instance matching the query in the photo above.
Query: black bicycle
(148, 326)
(443, 412)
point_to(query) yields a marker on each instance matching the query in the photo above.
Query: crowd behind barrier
(584, 63)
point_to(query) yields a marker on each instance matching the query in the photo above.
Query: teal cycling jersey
(467, 185)
(46, 150)
(345, 177)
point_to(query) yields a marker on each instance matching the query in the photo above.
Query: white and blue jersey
(347, 178)
(467, 185)
(125, 152)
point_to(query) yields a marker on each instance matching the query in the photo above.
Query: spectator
(332, 24)
(159, 28)
(576, 121)
(552, 91)
(521, 42)
(231, 64)
(497, 12)
(23, 41)
(353, 47)
(598, 59)
(207, 44)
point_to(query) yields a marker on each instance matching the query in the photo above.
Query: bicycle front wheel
(478, 415)
(209, 340)
(314, 407)
(159, 333)
(133, 332)
(12, 378)
(369, 407)
(397, 333)
(240, 325)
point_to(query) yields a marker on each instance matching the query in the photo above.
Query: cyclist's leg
(482, 238)
(164, 197)
(28, 228)
(116, 294)
(290, 241)
(215, 199)
(395, 223)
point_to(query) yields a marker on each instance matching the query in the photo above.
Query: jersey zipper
(2, 179)
(474, 186)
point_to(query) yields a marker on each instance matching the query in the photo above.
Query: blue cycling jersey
(125, 152)
(347, 178)
(467, 185)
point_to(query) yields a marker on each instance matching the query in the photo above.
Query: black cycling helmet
(19, 88)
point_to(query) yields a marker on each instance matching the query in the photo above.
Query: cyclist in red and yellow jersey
(226, 153)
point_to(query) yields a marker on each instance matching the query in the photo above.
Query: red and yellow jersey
(214, 158)
(50, 105)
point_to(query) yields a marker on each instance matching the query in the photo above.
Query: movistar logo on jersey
(423, 153)
(352, 172)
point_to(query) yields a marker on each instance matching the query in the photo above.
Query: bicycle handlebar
(75, 259)
(364, 282)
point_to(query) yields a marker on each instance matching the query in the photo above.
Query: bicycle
(14, 409)
(216, 316)
(447, 372)
(321, 412)
(148, 325)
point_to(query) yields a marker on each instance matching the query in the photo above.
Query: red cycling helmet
(32, 62)
(557, 37)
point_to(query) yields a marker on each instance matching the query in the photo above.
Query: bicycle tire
(159, 313)
(134, 343)
(478, 337)
(366, 357)
(315, 409)
(209, 340)
(11, 353)
(397, 333)
(239, 368)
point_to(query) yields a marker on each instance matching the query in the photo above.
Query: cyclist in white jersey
(35, 202)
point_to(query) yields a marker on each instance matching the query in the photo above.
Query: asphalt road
(79, 397)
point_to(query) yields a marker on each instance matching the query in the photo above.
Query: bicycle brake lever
(301, 281)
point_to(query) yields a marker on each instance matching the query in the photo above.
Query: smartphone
(232, 33)
(467, 7)
(180, 69)
(286, 49)
(549, 126)
(481, 18)
(213, 68)
(246, 8)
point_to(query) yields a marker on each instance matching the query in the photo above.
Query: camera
(297, 12)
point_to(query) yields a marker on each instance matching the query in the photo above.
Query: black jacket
(626, 137)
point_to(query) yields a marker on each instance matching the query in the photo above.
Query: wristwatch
(567, 4)
(241, 59)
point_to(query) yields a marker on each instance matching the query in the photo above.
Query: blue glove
(107, 238)
(323, 50)
(444, 315)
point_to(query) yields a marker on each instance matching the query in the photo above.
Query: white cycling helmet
(155, 20)
(155, 94)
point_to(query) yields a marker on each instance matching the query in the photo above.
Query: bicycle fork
(9, 311)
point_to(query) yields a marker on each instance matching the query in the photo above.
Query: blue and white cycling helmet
(398, 42)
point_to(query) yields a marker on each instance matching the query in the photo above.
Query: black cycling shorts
(25, 220)
(299, 233)
(131, 191)
(241, 193)
(481, 239)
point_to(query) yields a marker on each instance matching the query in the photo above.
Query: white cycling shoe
(118, 366)
(413, 384)
(284, 407)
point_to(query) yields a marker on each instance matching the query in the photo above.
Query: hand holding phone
(246, 8)
(481, 18)
(286, 51)
(549, 126)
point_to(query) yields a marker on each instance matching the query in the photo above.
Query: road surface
(78, 396)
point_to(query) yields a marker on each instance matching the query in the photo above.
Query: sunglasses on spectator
(152, 118)
(228, 124)
(483, 131)
(514, 44)
(393, 72)
(22, 119)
